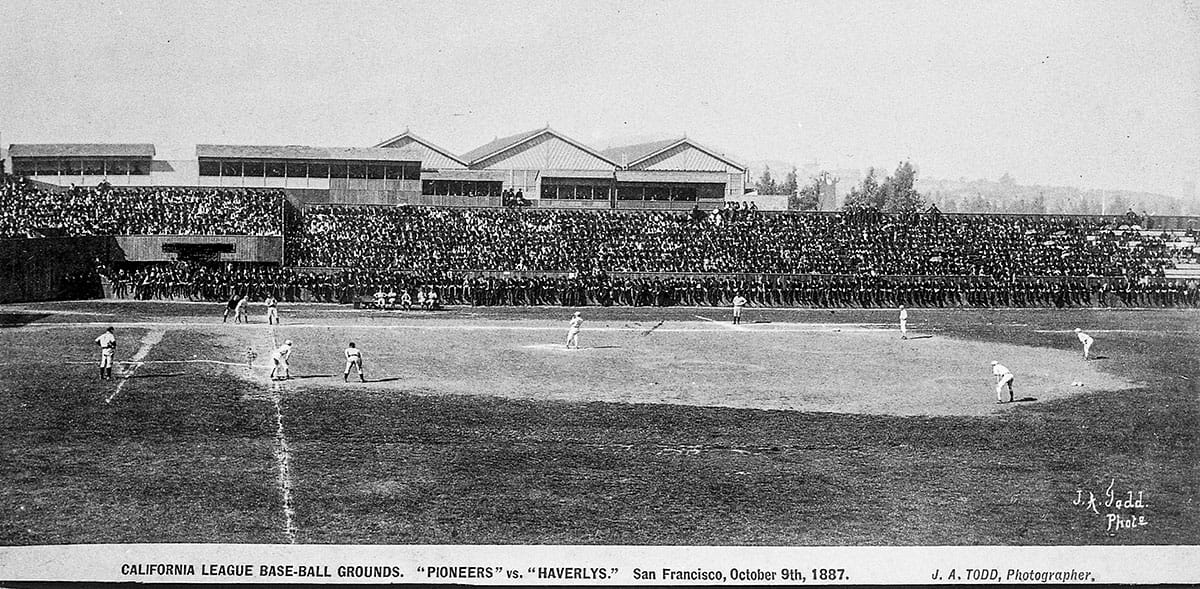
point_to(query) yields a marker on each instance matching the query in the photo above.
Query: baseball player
(573, 332)
(903, 322)
(739, 301)
(406, 300)
(353, 359)
(272, 310)
(239, 312)
(1086, 340)
(279, 360)
(108, 346)
(1003, 377)
(230, 309)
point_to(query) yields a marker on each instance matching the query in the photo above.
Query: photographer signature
(1121, 512)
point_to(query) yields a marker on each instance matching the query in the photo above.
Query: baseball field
(668, 426)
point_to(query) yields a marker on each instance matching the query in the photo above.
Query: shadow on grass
(920, 337)
(604, 347)
(389, 379)
(166, 375)
(308, 376)
(20, 319)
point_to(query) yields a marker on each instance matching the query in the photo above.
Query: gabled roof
(387, 144)
(496, 146)
(629, 155)
(81, 150)
(304, 152)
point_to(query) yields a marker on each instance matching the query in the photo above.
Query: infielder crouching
(1003, 377)
(279, 360)
(1087, 342)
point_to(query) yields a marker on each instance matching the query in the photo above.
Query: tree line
(899, 192)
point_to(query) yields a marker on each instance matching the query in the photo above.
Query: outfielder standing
(573, 331)
(108, 346)
(353, 359)
(903, 322)
(739, 301)
(1003, 377)
(279, 361)
(1086, 340)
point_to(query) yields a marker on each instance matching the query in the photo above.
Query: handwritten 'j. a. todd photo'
(600, 293)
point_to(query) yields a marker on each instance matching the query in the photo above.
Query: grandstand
(539, 218)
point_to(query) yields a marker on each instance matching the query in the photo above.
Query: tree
(808, 197)
(789, 184)
(899, 192)
(867, 194)
(766, 184)
(1039, 204)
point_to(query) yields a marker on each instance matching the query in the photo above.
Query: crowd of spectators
(30, 210)
(518, 255)
(215, 282)
(728, 241)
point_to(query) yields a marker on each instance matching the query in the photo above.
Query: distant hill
(1006, 196)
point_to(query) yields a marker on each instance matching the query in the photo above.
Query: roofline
(331, 153)
(545, 130)
(691, 142)
(147, 149)
(422, 141)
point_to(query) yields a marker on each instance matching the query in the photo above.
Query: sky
(1095, 94)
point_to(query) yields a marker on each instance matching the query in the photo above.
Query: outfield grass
(187, 452)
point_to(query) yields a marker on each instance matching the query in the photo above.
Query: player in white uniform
(279, 358)
(272, 310)
(739, 301)
(573, 332)
(406, 300)
(353, 359)
(1003, 377)
(1086, 340)
(239, 313)
(108, 346)
(903, 322)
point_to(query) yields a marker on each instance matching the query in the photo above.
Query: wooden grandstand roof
(412, 137)
(628, 155)
(138, 150)
(497, 146)
(304, 152)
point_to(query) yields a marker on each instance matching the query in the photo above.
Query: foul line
(193, 361)
(729, 326)
(148, 341)
(283, 458)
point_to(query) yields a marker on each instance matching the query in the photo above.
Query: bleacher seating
(29, 210)
(534, 256)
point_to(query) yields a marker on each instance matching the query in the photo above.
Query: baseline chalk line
(148, 341)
